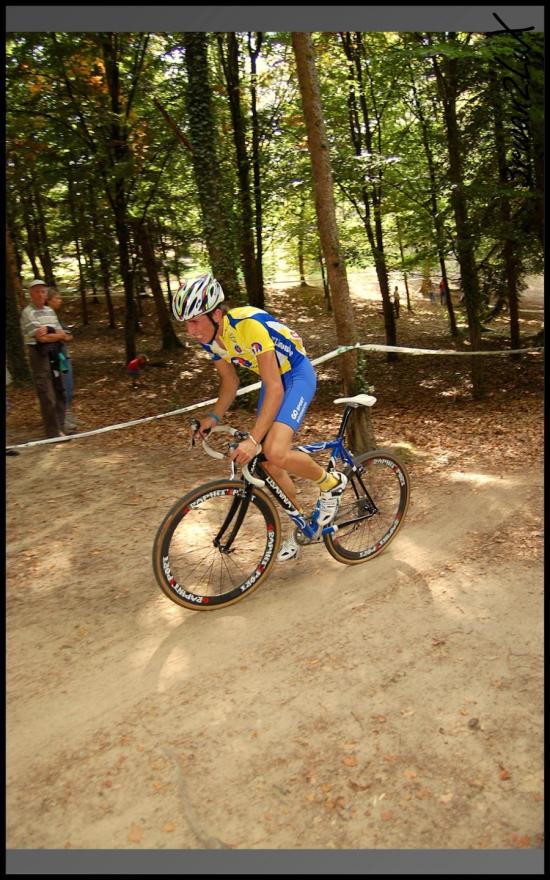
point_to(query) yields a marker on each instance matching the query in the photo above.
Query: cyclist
(252, 338)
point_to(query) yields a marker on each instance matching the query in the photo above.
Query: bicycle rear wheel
(372, 509)
(216, 545)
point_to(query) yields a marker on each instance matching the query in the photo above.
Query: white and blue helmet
(198, 296)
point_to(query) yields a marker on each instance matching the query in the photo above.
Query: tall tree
(15, 349)
(120, 157)
(446, 67)
(229, 54)
(254, 52)
(218, 234)
(365, 124)
(170, 341)
(434, 206)
(361, 432)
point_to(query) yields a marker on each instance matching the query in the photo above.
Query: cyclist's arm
(229, 383)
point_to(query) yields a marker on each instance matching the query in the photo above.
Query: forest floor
(393, 705)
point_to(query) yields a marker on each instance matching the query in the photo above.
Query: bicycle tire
(364, 532)
(196, 573)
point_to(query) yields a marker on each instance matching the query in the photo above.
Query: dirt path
(392, 705)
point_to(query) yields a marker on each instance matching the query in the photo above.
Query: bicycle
(219, 542)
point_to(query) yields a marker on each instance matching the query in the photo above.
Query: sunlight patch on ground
(176, 667)
(165, 655)
(480, 479)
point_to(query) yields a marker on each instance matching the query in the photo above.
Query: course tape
(248, 388)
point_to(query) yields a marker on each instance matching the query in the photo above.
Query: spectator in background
(55, 301)
(35, 320)
(442, 292)
(133, 368)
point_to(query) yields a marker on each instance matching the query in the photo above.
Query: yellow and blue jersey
(248, 332)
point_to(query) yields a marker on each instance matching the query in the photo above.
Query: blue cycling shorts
(299, 385)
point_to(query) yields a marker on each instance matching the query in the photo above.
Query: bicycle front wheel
(216, 545)
(372, 509)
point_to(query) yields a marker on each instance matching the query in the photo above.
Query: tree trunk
(218, 233)
(326, 288)
(434, 207)
(44, 250)
(99, 238)
(166, 268)
(301, 264)
(17, 259)
(73, 215)
(121, 156)
(447, 78)
(405, 280)
(15, 346)
(511, 260)
(361, 433)
(169, 339)
(231, 69)
(258, 207)
(372, 196)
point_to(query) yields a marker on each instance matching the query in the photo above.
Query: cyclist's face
(200, 328)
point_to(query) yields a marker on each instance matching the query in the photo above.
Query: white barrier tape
(325, 357)
(421, 351)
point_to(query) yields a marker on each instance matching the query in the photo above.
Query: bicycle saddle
(358, 400)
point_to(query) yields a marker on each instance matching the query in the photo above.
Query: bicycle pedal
(304, 541)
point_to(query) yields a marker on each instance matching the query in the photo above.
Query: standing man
(55, 300)
(35, 320)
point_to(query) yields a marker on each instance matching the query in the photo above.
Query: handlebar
(238, 437)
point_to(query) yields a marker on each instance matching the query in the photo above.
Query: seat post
(343, 424)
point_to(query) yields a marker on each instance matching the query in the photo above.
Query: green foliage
(61, 123)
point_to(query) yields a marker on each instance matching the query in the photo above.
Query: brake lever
(195, 425)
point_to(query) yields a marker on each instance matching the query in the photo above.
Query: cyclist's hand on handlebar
(245, 451)
(201, 428)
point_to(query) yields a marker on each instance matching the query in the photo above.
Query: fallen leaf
(521, 841)
(357, 785)
(504, 774)
(446, 798)
(380, 718)
(409, 773)
(406, 712)
(350, 761)
(387, 815)
(108, 783)
(424, 793)
(168, 827)
(391, 759)
(136, 833)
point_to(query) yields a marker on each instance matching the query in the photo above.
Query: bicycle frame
(309, 528)
(339, 451)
